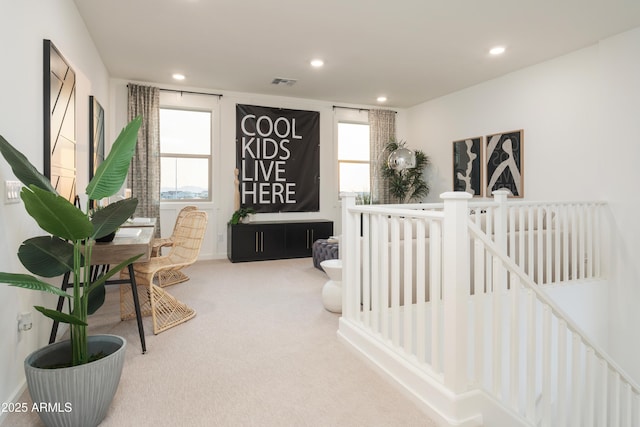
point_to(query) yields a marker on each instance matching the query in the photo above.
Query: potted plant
(406, 184)
(241, 215)
(67, 248)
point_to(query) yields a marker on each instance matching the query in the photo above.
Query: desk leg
(136, 304)
(54, 327)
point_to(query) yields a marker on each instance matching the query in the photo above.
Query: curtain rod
(219, 95)
(359, 109)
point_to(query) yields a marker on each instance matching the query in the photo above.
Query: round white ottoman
(332, 290)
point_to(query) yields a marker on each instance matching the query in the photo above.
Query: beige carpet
(262, 351)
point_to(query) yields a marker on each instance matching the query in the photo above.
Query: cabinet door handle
(261, 241)
(256, 239)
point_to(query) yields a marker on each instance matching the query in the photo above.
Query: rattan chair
(166, 310)
(163, 242)
(170, 277)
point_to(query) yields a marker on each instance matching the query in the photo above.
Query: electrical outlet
(24, 321)
(12, 191)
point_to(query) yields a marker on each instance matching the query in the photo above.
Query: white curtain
(144, 174)
(382, 130)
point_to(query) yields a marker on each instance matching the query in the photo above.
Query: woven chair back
(180, 217)
(187, 238)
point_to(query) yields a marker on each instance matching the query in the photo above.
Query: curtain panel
(144, 174)
(382, 130)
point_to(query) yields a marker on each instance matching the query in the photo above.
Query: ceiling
(409, 50)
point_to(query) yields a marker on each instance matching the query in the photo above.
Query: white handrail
(408, 285)
(526, 281)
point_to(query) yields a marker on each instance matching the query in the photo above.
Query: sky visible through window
(353, 157)
(185, 146)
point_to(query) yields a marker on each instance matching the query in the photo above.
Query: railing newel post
(348, 244)
(456, 289)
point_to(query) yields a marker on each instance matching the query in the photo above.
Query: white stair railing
(526, 348)
(470, 316)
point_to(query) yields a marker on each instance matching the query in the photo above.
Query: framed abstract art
(467, 163)
(504, 162)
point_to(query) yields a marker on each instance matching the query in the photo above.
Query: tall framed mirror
(59, 122)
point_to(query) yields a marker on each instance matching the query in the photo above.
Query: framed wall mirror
(59, 122)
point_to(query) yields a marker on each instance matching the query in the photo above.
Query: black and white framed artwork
(467, 162)
(504, 162)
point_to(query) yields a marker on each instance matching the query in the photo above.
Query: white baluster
(531, 356)
(547, 375)
(421, 264)
(615, 399)
(515, 340)
(540, 246)
(408, 286)
(384, 275)
(496, 327)
(562, 373)
(435, 292)
(589, 379)
(576, 384)
(376, 244)
(395, 281)
(604, 394)
(365, 289)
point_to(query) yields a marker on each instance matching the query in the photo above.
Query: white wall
(556, 105)
(618, 174)
(221, 206)
(24, 26)
(580, 115)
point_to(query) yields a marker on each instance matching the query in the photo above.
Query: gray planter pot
(78, 396)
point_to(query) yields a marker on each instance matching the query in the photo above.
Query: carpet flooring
(261, 351)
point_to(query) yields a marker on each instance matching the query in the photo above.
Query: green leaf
(111, 173)
(108, 220)
(22, 168)
(26, 281)
(55, 214)
(46, 256)
(60, 317)
(96, 298)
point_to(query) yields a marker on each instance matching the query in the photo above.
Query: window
(185, 154)
(353, 158)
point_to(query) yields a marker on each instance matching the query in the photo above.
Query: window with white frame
(185, 154)
(354, 158)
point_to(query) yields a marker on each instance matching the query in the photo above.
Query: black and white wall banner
(278, 159)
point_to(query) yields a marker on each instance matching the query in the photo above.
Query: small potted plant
(242, 215)
(84, 371)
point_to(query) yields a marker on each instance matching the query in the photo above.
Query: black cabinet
(300, 236)
(274, 240)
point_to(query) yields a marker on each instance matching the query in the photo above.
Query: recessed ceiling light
(381, 99)
(317, 63)
(178, 76)
(498, 50)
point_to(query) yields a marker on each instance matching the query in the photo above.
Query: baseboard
(469, 409)
(437, 402)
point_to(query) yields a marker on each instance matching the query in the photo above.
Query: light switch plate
(12, 191)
